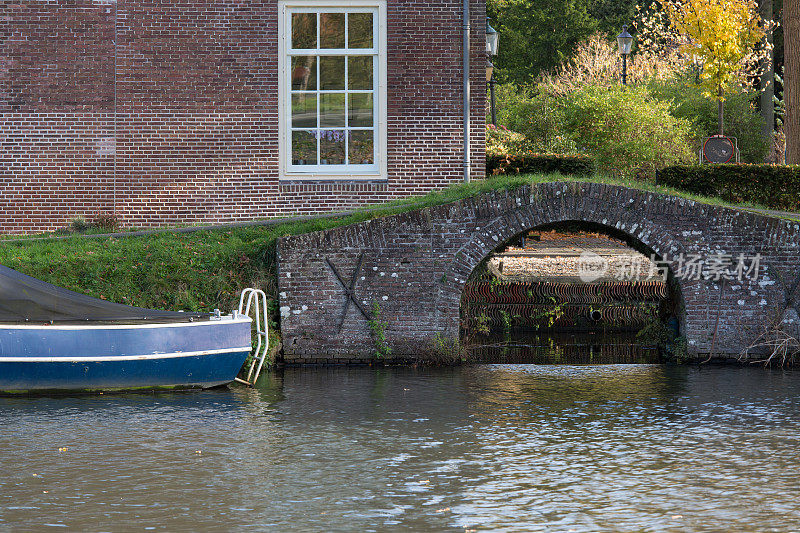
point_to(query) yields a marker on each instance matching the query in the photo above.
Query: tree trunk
(791, 79)
(768, 76)
(721, 110)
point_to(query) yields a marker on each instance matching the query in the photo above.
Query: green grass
(206, 269)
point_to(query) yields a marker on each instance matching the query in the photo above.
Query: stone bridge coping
(501, 200)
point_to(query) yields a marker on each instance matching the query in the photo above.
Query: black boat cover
(24, 299)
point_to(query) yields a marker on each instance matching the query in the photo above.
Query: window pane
(331, 73)
(304, 148)
(304, 30)
(304, 73)
(359, 30)
(360, 110)
(331, 30)
(304, 110)
(331, 147)
(331, 110)
(359, 73)
(362, 148)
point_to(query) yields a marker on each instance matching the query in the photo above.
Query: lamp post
(490, 81)
(492, 46)
(625, 41)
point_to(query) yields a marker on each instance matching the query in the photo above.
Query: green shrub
(629, 134)
(774, 186)
(576, 165)
(536, 114)
(501, 141)
(741, 120)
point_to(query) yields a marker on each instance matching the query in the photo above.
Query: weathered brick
(165, 111)
(424, 271)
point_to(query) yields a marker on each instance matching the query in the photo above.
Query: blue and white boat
(52, 339)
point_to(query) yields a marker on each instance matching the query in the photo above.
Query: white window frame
(292, 173)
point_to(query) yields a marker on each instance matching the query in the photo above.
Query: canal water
(486, 447)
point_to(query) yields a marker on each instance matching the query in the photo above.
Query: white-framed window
(332, 93)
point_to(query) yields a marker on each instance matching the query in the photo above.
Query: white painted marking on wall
(106, 146)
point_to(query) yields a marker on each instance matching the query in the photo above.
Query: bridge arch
(674, 298)
(414, 265)
(462, 270)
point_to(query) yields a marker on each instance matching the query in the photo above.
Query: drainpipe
(465, 61)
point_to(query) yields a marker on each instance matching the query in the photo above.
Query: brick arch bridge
(414, 266)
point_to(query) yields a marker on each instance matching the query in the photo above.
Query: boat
(53, 339)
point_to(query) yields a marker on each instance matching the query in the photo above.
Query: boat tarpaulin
(24, 299)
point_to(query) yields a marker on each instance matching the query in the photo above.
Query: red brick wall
(165, 111)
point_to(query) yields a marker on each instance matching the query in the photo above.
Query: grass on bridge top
(205, 269)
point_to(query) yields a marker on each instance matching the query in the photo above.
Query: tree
(721, 34)
(536, 36)
(611, 15)
(768, 75)
(791, 79)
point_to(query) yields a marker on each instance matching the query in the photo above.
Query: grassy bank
(203, 270)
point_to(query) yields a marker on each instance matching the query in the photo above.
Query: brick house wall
(166, 111)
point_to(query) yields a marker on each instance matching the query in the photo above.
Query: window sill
(289, 178)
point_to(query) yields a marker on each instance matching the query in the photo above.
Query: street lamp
(625, 41)
(492, 47)
(492, 39)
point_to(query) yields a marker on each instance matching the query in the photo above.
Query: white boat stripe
(103, 358)
(225, 320)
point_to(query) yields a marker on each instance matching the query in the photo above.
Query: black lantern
(625, 42)
(492, 47)
(492, 40)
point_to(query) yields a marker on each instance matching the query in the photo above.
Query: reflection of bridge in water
(564, 348)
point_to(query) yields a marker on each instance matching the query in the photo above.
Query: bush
(500, 141)
(576, 165)
(774, 186)
(538, 115)
(629, 134)
(596, 61)
(742, 120)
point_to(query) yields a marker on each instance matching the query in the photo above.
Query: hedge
(576, 165)
(773, 186)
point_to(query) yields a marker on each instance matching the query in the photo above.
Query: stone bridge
(414, 266)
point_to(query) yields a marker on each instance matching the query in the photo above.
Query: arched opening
(573, 292)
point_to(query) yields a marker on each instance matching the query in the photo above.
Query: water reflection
(500, 447)
(588, 347)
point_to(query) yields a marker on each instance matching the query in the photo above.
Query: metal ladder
(257, 300)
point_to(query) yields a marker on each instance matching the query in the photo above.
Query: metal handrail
(257, 300)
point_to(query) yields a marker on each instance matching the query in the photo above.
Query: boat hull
(178, 355)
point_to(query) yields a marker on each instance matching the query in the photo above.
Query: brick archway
(414, 266)
(634, 244)
(512, 223)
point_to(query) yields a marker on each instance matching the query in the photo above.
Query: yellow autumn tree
(719, 34)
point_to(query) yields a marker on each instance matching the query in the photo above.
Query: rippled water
(500, 447)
